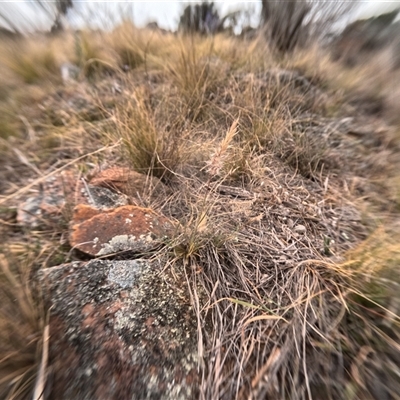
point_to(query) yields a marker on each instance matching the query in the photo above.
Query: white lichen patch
(126, 243)
(156, 315)
(125, 273)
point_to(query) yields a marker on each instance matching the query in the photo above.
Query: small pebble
(300, 228)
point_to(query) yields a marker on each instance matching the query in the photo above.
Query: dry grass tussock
(22, 322)
(272, 179)
(280, 319)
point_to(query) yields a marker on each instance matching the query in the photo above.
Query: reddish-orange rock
(128, 182)
(127, 228)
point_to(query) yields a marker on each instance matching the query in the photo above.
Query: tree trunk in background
(284, 23)
(288, 24)
(62, 8)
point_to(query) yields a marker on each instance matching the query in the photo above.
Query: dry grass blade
(38, 393)
(262, 318)
(272, 359)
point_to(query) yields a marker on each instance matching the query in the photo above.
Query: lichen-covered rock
(101, 197)
(48, 200)
(120, 330)
(127, 228)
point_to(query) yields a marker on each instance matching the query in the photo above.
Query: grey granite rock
(120, 330)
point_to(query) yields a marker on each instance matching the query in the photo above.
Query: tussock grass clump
(371, 325)
(129, 45)
(91, 56)
(194, 75)
(149, 149)
(32, 60)
(8, 124)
